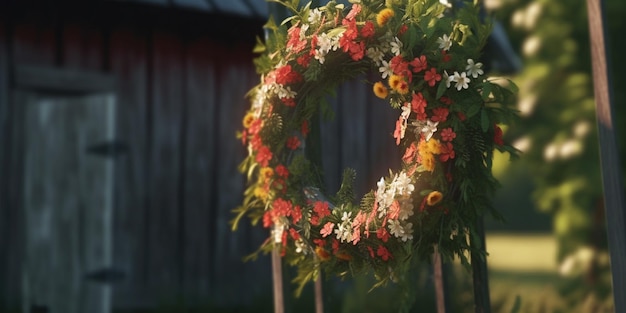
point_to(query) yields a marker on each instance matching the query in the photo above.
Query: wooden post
(482, 303)
(277, 279)
(438, 278)
(611, 173)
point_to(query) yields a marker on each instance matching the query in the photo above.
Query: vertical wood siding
(180, 100)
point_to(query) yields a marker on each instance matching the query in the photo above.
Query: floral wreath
(425, 53)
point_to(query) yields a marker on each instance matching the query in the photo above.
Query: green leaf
(441, 89)
(484, 120)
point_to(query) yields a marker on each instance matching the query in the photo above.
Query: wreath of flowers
(426, 54)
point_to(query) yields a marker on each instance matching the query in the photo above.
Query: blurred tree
(558, 133)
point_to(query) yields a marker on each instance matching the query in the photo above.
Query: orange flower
(384, 16)
(428, 161)
(247, 120)
(322, 254)
(266, 173)
(403, 88)
(394, 81)
(434, 197)
(380, 90)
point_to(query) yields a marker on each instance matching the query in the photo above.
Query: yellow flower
(403, 88)
(433, 146)
(261, 193)
(266, 174)
(247, 120)
(380, 90)
(383, 16)
(394, 81)
(428, 161)
(434, 197)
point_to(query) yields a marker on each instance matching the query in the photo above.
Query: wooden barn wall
(180, 100)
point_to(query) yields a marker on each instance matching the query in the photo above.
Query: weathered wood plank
(164, 157)
(609, 156)
(82, 46)
(236, 78)
(7, 294)
(128, 59)
(200, 168)
(34, 43)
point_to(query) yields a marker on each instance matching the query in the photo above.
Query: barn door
(67, 198)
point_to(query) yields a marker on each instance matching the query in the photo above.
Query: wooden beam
(609, 156)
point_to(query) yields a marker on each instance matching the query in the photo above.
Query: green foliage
(558, 118)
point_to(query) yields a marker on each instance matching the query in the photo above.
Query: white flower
(301, 246)
(447, 78)
(324, 43)
(403, 232)
(285, 92)
(346, 217)
(429, 129)
(396, 46)
(406, 111)
(385, 70)
(381, 188)
(403, 184)
(315, 16)
(375, 54)
(474, 69)
(303, 30)
(461, 81)
(344, 232)
(444, 42)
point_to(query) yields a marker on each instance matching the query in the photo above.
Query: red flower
(461, 116)
(320, 242)
(447, 134)
(281, 207)
(419, 64)
(294, 234)
(356, 9)
(293, 142)
(400, 67)
(398, 132)
(290, 102)
(497, 135)
(418, 105)
(304, 60)
(263, 155)
(440, 115)
(368, 30)
(321, 208)
(447, 152)
(432, 77)
(244, 137)
(402, 29)
(286, 75)
(294, 43)
(282, 171)
(383, 253)
(382, 234)
(256, 142)
(267, 219)
(296, 214)
(410, 153)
